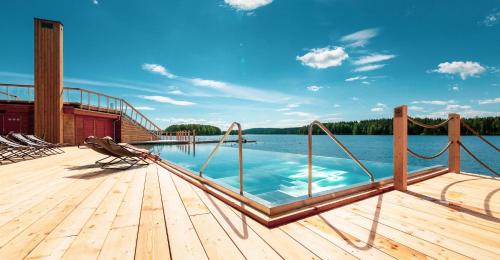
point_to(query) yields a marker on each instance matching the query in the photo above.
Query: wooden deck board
(63, 206)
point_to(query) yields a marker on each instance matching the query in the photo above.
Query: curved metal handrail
(240, 151)
(342, 146)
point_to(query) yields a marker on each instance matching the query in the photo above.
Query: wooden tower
(49, 80)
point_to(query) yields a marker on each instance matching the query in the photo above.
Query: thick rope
(426, 125)
(429, 157)
(477, 159)
(480, 136)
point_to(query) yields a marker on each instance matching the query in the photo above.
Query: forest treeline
(484, 125)
(200, 129)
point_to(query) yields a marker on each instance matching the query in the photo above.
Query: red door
(88, 127)
(100, 128)
(12, 123)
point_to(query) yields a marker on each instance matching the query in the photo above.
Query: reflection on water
(272, 178)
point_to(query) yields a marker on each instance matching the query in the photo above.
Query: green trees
(200, 129)
(484, 125)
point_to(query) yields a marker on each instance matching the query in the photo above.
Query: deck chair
(36, 139)
(132, 154)
(11, 150)
(44, 149)
(91, 142)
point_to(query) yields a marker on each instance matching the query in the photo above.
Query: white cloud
(454, 87)
(157, 69)
(336, 105)
(355, 98)
(489, 101)
(168, 100)
(145, 108)
(323, 58)
(360, 38)
(464, 114)
(95, 2)
(415, 108)
(240, 92)
(314, 88)
(464, 69)
(297, 113)
(356, 78)
(492, 18)
(177, 92)
(456, 107)
(434, 102)
(373, 58)
(365, 82)
(288, 107)
(379, 107)
(369, 67)
(247, 5)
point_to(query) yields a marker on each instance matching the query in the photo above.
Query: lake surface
(379, 148)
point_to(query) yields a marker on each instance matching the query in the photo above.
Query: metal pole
(240, 157)
(309, 161)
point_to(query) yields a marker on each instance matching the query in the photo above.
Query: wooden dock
(63, 206)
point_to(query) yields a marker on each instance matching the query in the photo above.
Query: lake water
(379, 148)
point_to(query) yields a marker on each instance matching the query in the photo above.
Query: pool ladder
(309, 154)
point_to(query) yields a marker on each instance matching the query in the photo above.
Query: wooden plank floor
(62, 206)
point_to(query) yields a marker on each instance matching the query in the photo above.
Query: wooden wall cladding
(49, 80)
(131, 132)
(17, 118)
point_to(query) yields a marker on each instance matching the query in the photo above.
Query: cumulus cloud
(359, 38)
(144, 108)
(373, 58)
(163, 99)
(95, 2)
(489, 101)
(369, 67)
(247, 5)
(314, 88)
(157, 69)
(492, 18)
(323, 58)
(464, 69)
(356, 78)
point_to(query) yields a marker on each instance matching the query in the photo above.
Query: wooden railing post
(400, 157)
(454, 138)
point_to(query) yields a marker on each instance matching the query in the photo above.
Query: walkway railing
(337, 141)
(240, 152)
(85, 99)
(454, 123)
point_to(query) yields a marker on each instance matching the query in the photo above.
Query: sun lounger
(44, 149)
(91, 142)
(11, 150)
(132, 154)
(39, 140)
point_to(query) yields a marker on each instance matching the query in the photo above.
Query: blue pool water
(273, 178)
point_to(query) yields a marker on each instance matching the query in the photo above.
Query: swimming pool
(273, 178)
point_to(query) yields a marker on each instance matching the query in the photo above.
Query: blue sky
(270, 63)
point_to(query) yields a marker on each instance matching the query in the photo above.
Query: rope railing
(429, 157)
(426, 125)
(478, 135)
(477, 159)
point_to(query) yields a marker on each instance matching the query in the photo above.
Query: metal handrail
(104, 103)
(344, 148)
(240, 151)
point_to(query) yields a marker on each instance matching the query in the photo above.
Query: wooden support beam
(454, 138)
(49, 80)
(400, 157)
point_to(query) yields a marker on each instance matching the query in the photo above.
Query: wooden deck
(62, 206)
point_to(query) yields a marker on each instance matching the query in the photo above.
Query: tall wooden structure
(400, 157)
(49, 80)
